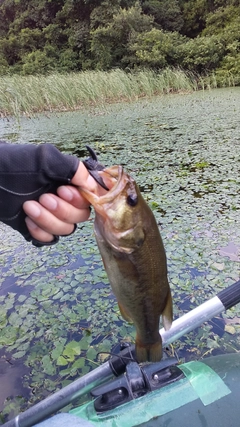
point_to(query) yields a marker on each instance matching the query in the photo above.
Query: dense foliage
(41, 36)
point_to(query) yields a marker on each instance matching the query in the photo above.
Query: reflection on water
(231, 250)
(11, 375)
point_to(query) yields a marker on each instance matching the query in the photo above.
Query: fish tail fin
(148, 352)
(167, 314)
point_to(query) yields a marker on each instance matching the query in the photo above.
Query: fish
(134, 258)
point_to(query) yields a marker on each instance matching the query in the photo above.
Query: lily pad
(188, 172)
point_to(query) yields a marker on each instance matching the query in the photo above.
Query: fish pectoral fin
(167, 314)
(124, 313)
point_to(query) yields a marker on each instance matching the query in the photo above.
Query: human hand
(55, 215)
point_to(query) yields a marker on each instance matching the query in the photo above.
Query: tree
(109, 43)
(201, 54)
(56, 36)
(30, 40)
(156, 48)
(103, 14)
(79, 43)
(39, 62)
(10, 50)
(220, 19)
(73, 35)
(167, 14)
(228, 72)
(4, 67)
(194, 14)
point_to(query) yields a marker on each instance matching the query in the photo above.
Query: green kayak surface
(207, 396)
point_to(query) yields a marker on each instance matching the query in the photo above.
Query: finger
(49, 222)
(46, 220)
(64, 210)
(83, 179)
(71, 195)
(38, 233)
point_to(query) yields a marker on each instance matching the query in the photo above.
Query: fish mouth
(115, 179)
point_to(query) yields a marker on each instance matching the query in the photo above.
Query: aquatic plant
(57, 310)
(27, 95)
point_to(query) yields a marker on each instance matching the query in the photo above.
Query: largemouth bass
(134, 258)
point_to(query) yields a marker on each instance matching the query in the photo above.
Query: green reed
(27, 95)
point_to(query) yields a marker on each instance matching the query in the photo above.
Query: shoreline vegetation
(30, 95)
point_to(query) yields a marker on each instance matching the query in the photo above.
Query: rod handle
(230, 296)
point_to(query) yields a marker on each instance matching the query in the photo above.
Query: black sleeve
(26, 172)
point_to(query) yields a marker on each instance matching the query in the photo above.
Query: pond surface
(57, 309)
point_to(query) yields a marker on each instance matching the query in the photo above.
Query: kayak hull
(207, 395)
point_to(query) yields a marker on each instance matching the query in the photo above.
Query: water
(57, 310)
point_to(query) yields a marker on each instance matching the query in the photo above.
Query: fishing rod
(224, 300)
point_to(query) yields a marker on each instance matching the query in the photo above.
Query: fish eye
(132, 200)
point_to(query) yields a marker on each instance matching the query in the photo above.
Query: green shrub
(201, 54)
(3, 66)
(228, 74)
(155, 48)
(38, 62)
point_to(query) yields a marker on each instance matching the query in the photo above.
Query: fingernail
(30, 224)
(49, 202)
(66, 194)
(33, 210)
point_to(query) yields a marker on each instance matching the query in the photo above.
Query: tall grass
(26, 95)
